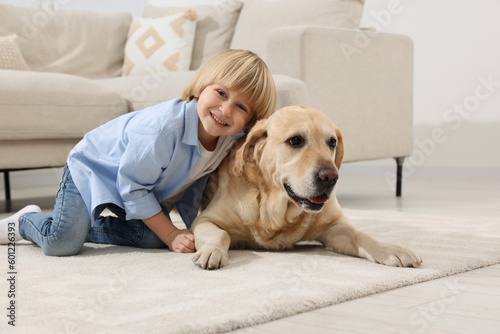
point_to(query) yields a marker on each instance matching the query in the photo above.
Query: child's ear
(246, 153)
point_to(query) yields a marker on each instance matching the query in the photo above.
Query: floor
(464, 303)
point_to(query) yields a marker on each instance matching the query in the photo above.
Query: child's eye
(242, 107)
(221, 93)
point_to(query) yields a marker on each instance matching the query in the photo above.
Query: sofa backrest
(257, 17)
(73, 42)
(250, 20)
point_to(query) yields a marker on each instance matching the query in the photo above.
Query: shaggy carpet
(112, 289)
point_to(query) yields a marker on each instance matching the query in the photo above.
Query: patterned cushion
(11, 57)
(160, 44)
(214, 28)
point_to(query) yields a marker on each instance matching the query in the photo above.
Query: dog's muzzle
(326, 179)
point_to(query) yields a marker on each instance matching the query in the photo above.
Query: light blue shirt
(139, 159)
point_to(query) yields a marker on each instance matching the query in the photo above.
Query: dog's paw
(392, 255)
(211, 257)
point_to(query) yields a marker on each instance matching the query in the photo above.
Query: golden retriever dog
(275, 188)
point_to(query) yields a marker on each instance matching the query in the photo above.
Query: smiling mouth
(312, 203)
(218, 120)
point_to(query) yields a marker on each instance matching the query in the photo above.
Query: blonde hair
(243, 71)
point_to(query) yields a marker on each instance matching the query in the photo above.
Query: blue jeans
(65, 231)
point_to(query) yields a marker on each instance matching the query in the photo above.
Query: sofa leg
(6, 183)
(399, 173)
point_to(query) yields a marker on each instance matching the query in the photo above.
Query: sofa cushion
(161, 44)
(73, 42)
(290, 91)
(11, 57)
(259, 16)
(35, 153)
(146, 90)
(214, 28)
(42, 105)
(142, 91)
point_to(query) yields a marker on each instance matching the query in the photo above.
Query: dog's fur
(276, 188)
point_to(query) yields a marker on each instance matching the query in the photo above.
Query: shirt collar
(238, 135)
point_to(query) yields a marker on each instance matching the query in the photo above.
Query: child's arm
(179, 241)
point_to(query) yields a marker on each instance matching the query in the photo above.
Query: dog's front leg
(212, 244)
(344, 238)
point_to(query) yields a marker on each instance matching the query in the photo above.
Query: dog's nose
(328, 176)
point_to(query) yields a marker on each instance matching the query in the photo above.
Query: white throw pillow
(160, 44)
(11, 57)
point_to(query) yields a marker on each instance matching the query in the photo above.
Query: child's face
(222, 111)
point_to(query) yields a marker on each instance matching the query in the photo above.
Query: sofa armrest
(362, 80)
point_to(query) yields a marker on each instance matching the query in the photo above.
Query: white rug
(110, 289)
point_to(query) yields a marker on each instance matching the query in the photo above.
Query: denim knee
(62, 247)
(55, 237)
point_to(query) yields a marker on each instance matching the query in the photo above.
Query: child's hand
(181, 241)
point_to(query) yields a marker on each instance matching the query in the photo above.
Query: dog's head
(299, 151)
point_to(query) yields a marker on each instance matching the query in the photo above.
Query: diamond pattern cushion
(214, 28)
(160, 44)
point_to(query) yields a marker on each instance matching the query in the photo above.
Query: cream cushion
(74, 42)
(259, 16)
(11, 57)
(41, 105)
(142, 91)
(214, 28)
(160, 44)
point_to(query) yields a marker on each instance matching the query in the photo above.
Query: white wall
(457, 49)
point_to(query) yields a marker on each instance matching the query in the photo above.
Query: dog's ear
(245, 153)
(339, 150)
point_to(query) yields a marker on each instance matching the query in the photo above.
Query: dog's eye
(332, 143)
(296, 141)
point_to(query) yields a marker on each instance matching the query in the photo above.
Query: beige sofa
(71, 75)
